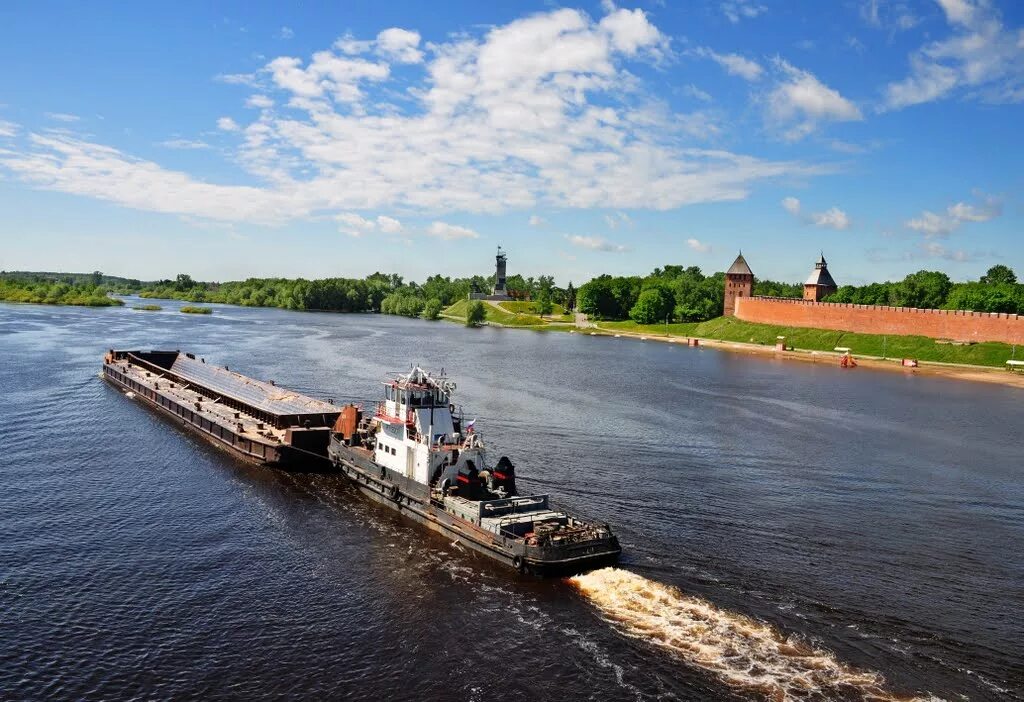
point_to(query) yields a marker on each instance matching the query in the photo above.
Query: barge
(415, 454)
(255, 420)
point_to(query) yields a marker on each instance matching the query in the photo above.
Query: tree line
(668, 294)
(57, 289)
(671, 293)
(996, 291)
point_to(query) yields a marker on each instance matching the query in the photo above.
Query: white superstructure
(419, 434)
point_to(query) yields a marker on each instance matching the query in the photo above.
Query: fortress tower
(739, 282)
(820, 285)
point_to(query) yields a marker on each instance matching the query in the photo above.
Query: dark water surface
(791, 530)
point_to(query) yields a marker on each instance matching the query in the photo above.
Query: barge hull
(224, 439)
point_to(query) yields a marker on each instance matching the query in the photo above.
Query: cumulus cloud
(356, 225)
(698, 246)
(259, 101)
(448, 232)
(227, 124)
(536, 221)
(734, 64)
(933, 225)
(982, 59)
(799, 102)
(402, 45)
(595, 243)
(736, 10)
(543, 111)
(832, 218)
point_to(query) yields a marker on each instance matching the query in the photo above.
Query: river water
(791, 531)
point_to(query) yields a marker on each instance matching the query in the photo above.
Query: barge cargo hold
(257, 421)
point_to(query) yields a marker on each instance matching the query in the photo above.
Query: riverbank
(977, 373)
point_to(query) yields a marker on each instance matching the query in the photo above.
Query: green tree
(924, 290)
(570, 298)
(544, 304)
(999, 274)
(432, 309)
(653, 305)
(475, 313)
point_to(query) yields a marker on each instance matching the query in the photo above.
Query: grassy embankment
(512, 314)
(920, 347)
(189, 309)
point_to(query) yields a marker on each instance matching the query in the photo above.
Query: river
(790, 530)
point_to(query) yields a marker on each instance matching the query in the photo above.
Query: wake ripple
(740, 651)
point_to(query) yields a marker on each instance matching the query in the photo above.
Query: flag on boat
(469, 425)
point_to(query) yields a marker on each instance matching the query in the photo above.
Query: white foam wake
(740, 651)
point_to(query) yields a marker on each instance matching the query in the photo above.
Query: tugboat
(417, 455)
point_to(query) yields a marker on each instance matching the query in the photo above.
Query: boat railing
(382, 412)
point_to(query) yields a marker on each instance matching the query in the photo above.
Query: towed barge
(412, 453)
(256, 421)
(416, 455)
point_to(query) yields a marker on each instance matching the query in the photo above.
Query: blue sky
(230, 140)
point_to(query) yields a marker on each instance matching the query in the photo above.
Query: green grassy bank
(512, 314)
(890, 346)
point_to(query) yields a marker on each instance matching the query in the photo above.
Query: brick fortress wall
(871, 319)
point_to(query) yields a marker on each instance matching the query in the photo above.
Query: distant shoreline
(958, 371)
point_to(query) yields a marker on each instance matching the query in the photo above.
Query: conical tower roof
(739, 267)
(820, 275)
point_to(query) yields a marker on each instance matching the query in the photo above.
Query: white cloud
(736, 10)
(541, 112)
(285, 33)
(698, 246)
(400, 45)
(799, 102)
(448, 232)
(62, 117)
(982, 59)
(832, 218)
(630, 31)
(8, 129)
(186, 144)
(356, 225)
(536, 221)
(227, 124)
(933, 225)
(389, 225)
(595, 243)
(734, 64)
(259, 101)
